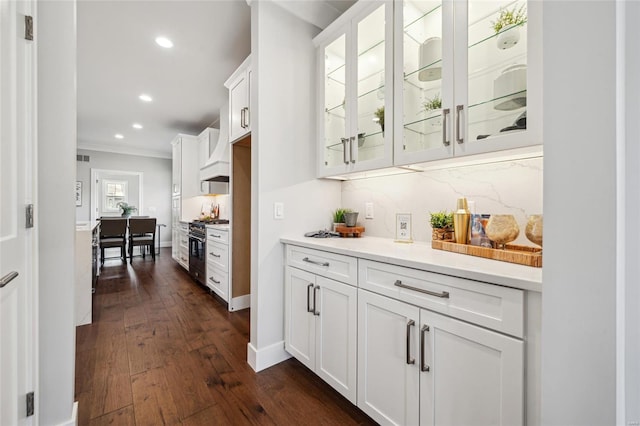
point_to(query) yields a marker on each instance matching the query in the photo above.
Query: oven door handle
(202, 240)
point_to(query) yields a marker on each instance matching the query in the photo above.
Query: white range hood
(216, 169)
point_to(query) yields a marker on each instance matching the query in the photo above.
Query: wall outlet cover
(368, 211)
(278, 210)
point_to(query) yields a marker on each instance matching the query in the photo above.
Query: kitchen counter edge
(420, 255)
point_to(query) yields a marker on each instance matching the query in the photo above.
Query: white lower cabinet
(419, 367)
(320, 327)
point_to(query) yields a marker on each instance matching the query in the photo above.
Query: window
(115, 191)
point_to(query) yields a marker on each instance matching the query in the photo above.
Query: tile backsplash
(510, 187)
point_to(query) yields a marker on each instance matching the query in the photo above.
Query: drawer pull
(444, 294)
(410, 359)
(8, 278)
(309, 298)
(423, 331)
(215, 236)
(306, 259)
(214, 255)
(217, 282)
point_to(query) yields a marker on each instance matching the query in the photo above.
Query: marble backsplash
(510, 187)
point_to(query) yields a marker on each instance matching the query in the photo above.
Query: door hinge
(28, 27)
(30, 403)
(29, 216)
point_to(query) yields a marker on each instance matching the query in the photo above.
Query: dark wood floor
(161, 350)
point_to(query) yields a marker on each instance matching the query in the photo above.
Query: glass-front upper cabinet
(355, 92)
(470, 91)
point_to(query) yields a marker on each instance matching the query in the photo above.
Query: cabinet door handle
(352, 139)
(217, 282)
(306, 259)
(423, 331)
(242, 118)
(214, 255)
(444, 294)
(315, 305)
(8, 278)
(459, 137)
(445, 139)
(247, 118)
(410, 359)
(344, 150)
(309, 298)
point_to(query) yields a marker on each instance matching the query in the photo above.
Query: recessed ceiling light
(164, 42)
(118, 136)
(145, 98)
(137, 126)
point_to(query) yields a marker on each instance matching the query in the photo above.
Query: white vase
(508, 37)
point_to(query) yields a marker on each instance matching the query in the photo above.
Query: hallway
(161, 350)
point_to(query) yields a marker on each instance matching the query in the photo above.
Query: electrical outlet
(368, 211)
(278, 210)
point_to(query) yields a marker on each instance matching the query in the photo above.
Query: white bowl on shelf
(510, 88)
(430, 52)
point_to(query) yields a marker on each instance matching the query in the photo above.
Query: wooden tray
(350, 231)
(513, 253)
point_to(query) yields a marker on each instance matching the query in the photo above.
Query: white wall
(283, 165)
(513, 187)
(56, 38)
(156, 184)
(579, 275)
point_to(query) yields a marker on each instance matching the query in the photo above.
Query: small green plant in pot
(379, 114)
(338, 217)
(441, 225)
(126, 208)
(433, 104)
(506, 26)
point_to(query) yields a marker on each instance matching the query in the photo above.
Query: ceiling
(118, 59)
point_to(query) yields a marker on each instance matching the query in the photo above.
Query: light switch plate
(368, 211)
(278, 210)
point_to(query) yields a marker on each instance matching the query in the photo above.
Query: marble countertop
(420, 255)
(89, 225)
(220, 226)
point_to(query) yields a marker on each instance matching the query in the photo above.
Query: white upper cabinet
(239, 85)
(471, 91)
(185, 179)
(354, 90)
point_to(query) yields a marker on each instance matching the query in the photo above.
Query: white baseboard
(266, 357)
(240, 302)
(165, 243)
(73, 421)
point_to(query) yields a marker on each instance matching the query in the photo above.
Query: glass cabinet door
(335, 93)
(371, 88)
(495, 75)
(424, 83)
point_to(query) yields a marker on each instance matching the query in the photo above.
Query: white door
(336, 329)
(299, 320)
(474, 376)
(17, 255)
(388, 379)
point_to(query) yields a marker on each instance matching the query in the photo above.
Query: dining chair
(113, 232)
(142, 233)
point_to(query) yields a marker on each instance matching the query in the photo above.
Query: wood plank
(122, 417)
(188, 386)
(142, 350)
(152, 399)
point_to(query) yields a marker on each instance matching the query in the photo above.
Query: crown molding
(142, 152)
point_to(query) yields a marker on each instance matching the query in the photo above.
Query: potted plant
(441, 225)
(506, 26)
(379, 114)
(431, 107)
(338, 217)
(126, 208)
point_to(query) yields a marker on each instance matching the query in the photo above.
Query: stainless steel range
(198, 248)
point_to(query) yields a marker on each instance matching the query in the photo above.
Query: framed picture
(403, 228)
(78, 193)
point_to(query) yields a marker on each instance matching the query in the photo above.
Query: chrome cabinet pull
(352, 139)
(444, 294)
(309, 298)
(344, 150)
(315, 311)
(306, 259)
(242, 118)
(459, 138)
(215, 236)
(214, 255)
(423, 331)
(211, 278)
(247, 117)
(8, 278)
(410, 359)
(445, 139)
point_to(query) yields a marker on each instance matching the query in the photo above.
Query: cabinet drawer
(218, 281)
(218, 255)
(336, 266)
(216, 235)
(491, 306)
(183, 256)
